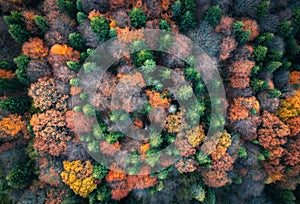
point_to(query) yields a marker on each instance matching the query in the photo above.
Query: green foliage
(152, 157)
(133, 158)
(191, 74)
(14, 18)
(274, 55)
(20, 176)
(75, 66)
(213, 15)
(272, 66)
(77, 109)
(90, 67)
(81, 17)
(296, 20)
(79, 5)
(242, 152)
(265, 38)
(165, 73)
(287, 195)
(22, 62)
(286, 65)
(16, 104)
(210, 197)
(68, 6)
(198, 192)
(99, 171)
(164, 25)
(93, 146)
(41, 22)
(89, 53)
(155, 139)
(188, 21)
(188, 5)
(177, 10)
(165, 41)
(261, 157)
(137, 45)
(259, 85)
(6, 65)
(77, 41)
(162, 175)
(255, 70)
(88, 110)
(141, 57)
(98, 130)
(260, 53)
(119, 115)
(285, 29)
(274, 93)
(19, 34)
(112, 33)
(148, 67)
(101, 195)
(83, 96)
(138, 18)
(241, 35)
(184, 92)
(262, 9)
(10, 85)
(100, 26)
(292, 48)
(202, 158)
(74, 82)
(113, 137)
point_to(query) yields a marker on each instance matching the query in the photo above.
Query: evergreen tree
(100, 26)
(68, 6)
(19, 34)
(213, 15)
(77, 41)
(138, 18)
(16, 104)
(41, 22)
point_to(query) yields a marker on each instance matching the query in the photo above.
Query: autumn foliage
(35, 48)
(78, 176)
(241, 107)
(11, 125)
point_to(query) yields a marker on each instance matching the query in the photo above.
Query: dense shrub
(138, 18)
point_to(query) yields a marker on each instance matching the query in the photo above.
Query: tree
(262, 9)
(138, 18)
(88, 110)
(273, 66)
(260, 53)
(285, 29)
(188, 21)
(16, 104)
(41, 22)
(177, 11)
(213, 15)
(19, 34)
(259, 85)
(20, 176)
(10, 85)
(35, 48)
(78, 175)
(241, 35)
(100, 26)
(22, 62)
(75, 82)
(77, 41)
(99, 171)
(164, 25)
(15, 17)
(141, 57)
(75, 66)
(67, 6)
(81, 17)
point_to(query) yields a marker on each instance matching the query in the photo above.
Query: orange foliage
(249, 24)
(114, 175)
(223, 144)
(215, 179)
(227, 46)
(173, 122)
(186, 166)
(225, 25)
(290, 107)
(35, 48)
(75, 90)
(30, 23)
(144, 148)
(6, 74)
(165, 4)
(240, 73)
(295, 77)
(272, 131)
(61, 50)
(294, 125)
(241, 107)
(12, 125)
(156, 99)
(95, 13)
